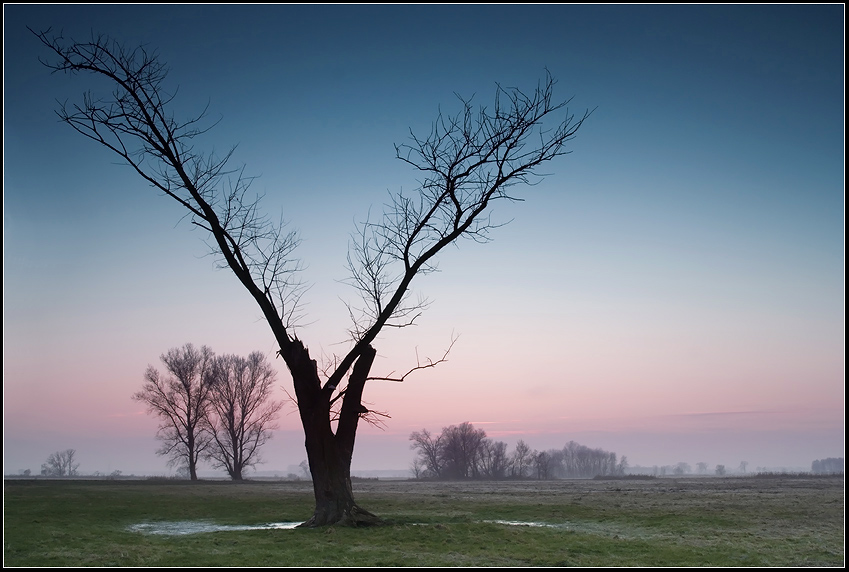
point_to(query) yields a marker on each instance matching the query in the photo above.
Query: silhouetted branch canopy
(468, 161)
(136, 123)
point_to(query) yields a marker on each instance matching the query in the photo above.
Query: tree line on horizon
(463, 452)
(830, 465)
(682, 468)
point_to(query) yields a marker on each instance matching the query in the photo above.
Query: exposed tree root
(354, 517)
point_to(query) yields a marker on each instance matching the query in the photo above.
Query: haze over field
(672, 291)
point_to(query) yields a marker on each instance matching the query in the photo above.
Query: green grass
(794, 521)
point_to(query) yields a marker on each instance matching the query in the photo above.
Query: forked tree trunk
(329, 454)
(330, 466)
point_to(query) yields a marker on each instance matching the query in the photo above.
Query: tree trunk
(329, 454)
(236, 466)
(193, 472)
(330, 466)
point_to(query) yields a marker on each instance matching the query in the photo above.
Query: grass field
(737, 521)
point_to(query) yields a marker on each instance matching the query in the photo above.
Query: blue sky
(673, 291)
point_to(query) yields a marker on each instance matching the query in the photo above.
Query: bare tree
(555, 462)
(580, 461)
(241, 415)
(417, 468)
(720, 470)
(542, 465)
(521, 459)
(682, 468)
(180, 400)
(743, 466)
(61, 464)
(467, 162)
(622, 467)
(305, 469)
(429, 449)
(461, 449)
(702, 467)
(492, 459)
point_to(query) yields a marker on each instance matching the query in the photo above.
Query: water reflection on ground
(521, 523)
(178, 528)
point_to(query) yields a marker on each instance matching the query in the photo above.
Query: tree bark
(193, 472)
(329, 454)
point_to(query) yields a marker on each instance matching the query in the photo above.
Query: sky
(672, 290)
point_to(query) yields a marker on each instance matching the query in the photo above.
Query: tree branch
(419, 365)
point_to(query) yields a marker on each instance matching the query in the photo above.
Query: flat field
(710, 521)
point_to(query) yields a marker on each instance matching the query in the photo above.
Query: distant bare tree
(702, 467)
(180, 399)
(461, 447)
(493, 460)
(468, 162)
(555, 459)
(622, 467)
(61, 464)
(681, 469)
(720, 470)
(241, 415)
(743, 466)
(521, 460)
(542, 465)
(305, 469)
(417, 468)
(429, 449)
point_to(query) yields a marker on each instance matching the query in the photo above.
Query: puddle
(519, 523)
(599, 528)
(179, 528)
